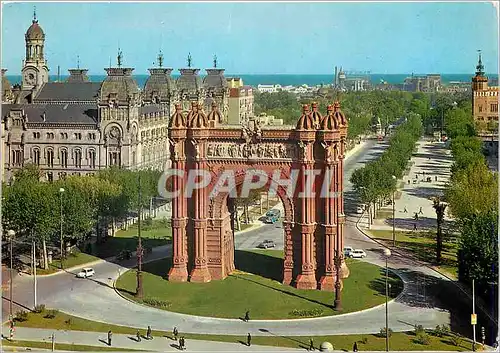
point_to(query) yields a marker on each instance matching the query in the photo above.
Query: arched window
(78, 158)
(92, 158)
(50, 158)
(36, 156)
(64, 158)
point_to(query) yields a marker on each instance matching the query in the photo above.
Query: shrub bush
(364, 340)
(419, 329)
(21, 315)
(51, 314)
(68, 321)
(422, 338)
(39, 308)
(158, 303)
(383, 332)
(147, 224)
(306, 313)
(441, 331)
(456, 340)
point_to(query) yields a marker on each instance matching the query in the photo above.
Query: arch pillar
(288, 252)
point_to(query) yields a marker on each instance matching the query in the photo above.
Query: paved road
(95, 298)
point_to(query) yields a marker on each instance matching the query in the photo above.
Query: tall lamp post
(11, 235)
(387, 253)
(338, 299)
(61, 192)
(394, 213)
(139, 290)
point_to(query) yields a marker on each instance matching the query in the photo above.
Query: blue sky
(260, 38)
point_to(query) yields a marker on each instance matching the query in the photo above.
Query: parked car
(266, 244)
(357, 254)
(347, 251)
(272, 216)
(86, 272)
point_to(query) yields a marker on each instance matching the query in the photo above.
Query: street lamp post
(387, 253)
(61, 192)
(394, 214)
(139, 289)
(11, 235)
(338, 299)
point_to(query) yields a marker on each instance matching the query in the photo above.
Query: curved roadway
(95, 298)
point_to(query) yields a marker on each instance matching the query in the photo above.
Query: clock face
(30, 78)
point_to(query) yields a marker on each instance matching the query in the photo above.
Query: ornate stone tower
(119, 117)
(35, 71)
(160, 87)
(217, 90)
(190, 86)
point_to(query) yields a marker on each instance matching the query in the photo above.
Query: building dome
(330, 121)
(305, 121)
(316, 115)
(35, 31)
(339, 116)
(197, 119)
(178, 120)
(214, 117)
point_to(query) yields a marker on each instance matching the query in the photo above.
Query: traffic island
(256, 286)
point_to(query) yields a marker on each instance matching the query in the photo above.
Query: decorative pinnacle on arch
(215, 61)
(34, 15)
(160, 59)
(190, 59)
(78, 61)
(119, 57)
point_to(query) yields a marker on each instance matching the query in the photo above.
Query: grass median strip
(63, 346)
(423, 246)
(398, 341)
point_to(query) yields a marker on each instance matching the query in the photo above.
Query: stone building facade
(484, 100)
(79, 127)
(241, 102)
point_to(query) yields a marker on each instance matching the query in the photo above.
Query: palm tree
(440, 208)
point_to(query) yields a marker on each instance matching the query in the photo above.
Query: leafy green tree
(478, 251)
(473, 190)
(30, 208)
(459, 122)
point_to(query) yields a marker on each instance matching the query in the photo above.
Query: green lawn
(155, 234)
(74, 259)
(398, 341)
(63, 346)
(256, 286)
(423, 246)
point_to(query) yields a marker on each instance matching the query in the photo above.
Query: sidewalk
(157, 344)
(435, 161)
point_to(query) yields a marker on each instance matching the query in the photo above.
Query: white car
(347, 251)
(86, 272)
(357, 254)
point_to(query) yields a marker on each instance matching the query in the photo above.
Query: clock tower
(35, 71)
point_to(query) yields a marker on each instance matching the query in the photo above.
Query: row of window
(493, 108)
(64, 135)
(154, 133)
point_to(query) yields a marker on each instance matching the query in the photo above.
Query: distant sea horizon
(283, 79)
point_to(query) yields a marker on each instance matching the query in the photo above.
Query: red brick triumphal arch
(202, 221)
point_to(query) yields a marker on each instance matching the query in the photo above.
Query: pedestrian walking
(405, 210)
(416, 216)
(414, 226)
(182, 343)
(355, 347)
(138, 334)
(249, 340)
(247, 316)
(420, 211)
(110, 336)
(436, 178)
(175, 332)
(148, 333)
(311, 345)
